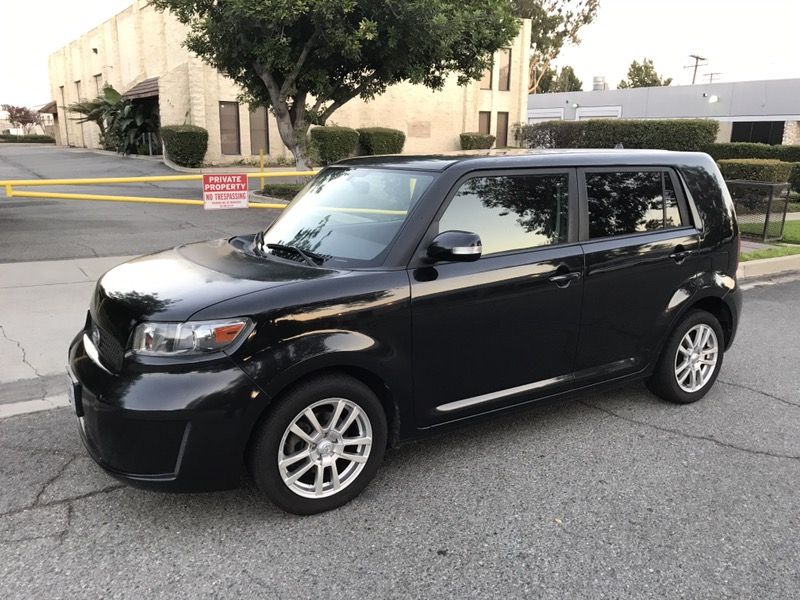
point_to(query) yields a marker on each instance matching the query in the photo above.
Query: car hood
(174, 284)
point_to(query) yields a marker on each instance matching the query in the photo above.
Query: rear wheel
(320, 446)
(691, 359)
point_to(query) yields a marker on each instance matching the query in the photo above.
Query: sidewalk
(42, 305)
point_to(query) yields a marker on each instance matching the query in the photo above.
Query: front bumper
(182, 428)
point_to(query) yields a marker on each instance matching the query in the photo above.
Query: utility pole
(711, 76)
(697, 63)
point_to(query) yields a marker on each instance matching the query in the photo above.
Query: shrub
(286, 191)
(331, 144)
(27, 139)
(380, 140)
(750, 150)
(186, 145)
(664, 134)
(794, 177)
(473, 140)
(755, 169)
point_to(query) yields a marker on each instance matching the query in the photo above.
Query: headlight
(192, 337)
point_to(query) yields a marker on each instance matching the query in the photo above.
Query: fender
(280, 365)
(715, 284)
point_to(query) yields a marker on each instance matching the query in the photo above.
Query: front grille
(110, 350)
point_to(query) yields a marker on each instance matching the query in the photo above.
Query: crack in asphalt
(38, 499)
(762, 393)
(22, 351)
(691, 436)
(62, 533)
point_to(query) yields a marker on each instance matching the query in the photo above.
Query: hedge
(794, 177)
(27, 139)
(664, 134)
(750, 150)
(474, 140)
(186, 145)
(380, 140)
(286, 191)
(755, 169)
(332, 144)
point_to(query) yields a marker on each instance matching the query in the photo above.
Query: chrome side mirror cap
(459, 246)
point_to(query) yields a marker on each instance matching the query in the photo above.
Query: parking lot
(38, 229)
(609, 495)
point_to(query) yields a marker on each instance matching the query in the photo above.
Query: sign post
(225, 190)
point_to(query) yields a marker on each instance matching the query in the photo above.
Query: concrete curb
(222, 169)
(768, 266)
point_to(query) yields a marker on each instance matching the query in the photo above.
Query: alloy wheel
(696, 358)
(325, 448)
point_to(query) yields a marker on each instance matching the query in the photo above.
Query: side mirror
(460, 246)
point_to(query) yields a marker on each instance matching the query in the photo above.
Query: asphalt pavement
(37, 229)
(611, 495)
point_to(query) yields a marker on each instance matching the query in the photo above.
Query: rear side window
(623, 202)
(511, 212)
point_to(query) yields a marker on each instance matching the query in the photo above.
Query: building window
(78, 92)
(486, 80)
(98, 83)
(505, 70)
(485, 122)
(259, 131)
(502, 130)
(229, 128)
(763, 132)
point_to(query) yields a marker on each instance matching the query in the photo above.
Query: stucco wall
(140, 43)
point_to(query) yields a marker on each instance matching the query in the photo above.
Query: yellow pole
(261, 160)
(9, 191)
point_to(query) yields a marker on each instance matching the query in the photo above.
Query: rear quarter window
(631, 201)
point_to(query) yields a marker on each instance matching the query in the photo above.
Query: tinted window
(630, 202)
(511, 212)
(505, 70)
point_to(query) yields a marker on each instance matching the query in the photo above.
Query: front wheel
(320, 446)
(691, 359)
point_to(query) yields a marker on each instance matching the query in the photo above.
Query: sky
(742, 39)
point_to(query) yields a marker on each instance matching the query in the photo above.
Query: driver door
(503, 329)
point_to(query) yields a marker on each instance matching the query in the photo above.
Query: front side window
(349, 216)
(511, 212)
(627, 202)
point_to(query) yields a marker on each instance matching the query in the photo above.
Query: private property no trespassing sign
(224, 190)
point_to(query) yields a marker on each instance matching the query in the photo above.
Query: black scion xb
(399, 294)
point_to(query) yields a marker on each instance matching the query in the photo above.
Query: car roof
(521, 158)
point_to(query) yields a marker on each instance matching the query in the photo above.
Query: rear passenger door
(641, 250)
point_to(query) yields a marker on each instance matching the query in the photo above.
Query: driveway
(612, 495)
(36, 229)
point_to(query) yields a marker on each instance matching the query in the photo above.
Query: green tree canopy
(560, 81)
(554, 24)
(643, 74)
(304, 59)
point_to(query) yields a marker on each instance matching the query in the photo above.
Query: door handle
(680, 254)
(565, 279)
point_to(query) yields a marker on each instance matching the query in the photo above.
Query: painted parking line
(31, 406)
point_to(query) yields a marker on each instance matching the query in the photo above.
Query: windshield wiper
(310, 258)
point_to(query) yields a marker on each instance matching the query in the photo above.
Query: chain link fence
(760, 208)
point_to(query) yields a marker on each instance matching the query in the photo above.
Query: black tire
(264, 449)
(664, 383)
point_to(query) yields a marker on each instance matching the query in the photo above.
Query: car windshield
(346, 215)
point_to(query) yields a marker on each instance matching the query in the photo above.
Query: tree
(307, 58)
(643, 74)
(22, 117)
(563, 81)
(554, 24)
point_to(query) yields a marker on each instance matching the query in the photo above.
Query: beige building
(139, 53)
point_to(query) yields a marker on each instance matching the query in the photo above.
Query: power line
(697, 63)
